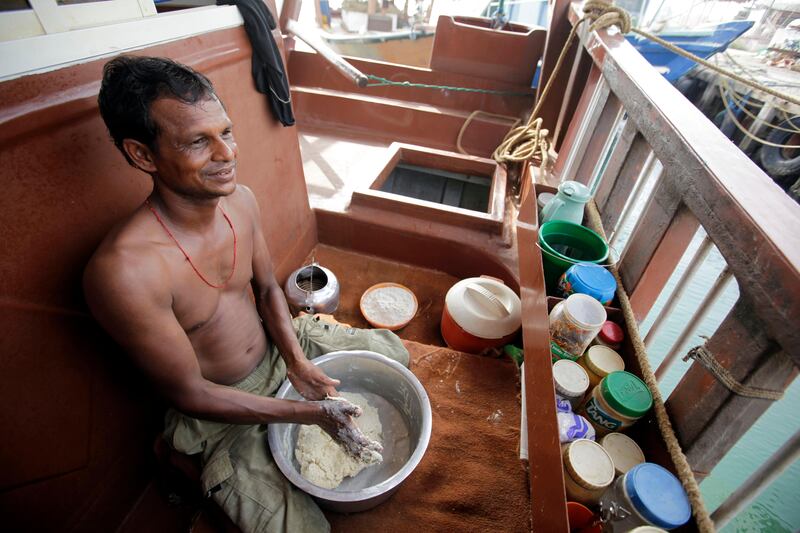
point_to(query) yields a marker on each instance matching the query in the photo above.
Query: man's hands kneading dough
(338, 423)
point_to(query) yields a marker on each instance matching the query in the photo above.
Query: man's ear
(140, 154)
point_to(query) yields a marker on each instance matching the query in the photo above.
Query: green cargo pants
(239, 472)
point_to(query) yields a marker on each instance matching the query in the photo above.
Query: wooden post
(645, 270)
(630, 172)
(708, 418)
(289, 11)
(598, 145)
(618, 157)
(557, 33)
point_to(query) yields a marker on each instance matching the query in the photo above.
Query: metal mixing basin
(405, 416)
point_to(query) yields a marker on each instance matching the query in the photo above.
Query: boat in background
(383, 33)
(703, 42)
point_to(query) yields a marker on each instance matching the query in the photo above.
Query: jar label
(557, 352)
(596, 414)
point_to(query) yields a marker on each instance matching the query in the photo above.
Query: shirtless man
(175, 285)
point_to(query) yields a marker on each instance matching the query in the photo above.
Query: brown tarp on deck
(471, 478)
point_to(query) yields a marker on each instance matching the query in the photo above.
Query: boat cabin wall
(81, 419)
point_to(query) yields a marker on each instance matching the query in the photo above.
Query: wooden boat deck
(335, 166)
(471, 475)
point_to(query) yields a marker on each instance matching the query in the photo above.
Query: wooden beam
(656, 245)
(548, 495)
(629, 174)
(599, 142)
(582, 128)
(578, 79)
(557, 33)
(647, 281)
(708, 418)
(290, 10)
(618, 157)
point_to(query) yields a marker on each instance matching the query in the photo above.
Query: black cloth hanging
(269, 73)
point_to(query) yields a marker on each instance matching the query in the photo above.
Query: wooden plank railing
(706, 181)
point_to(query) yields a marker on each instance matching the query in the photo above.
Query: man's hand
(338, 423)
(310, 381)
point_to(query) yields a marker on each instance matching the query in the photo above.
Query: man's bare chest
(196, 303)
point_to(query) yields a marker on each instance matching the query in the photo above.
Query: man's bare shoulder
(129, 256)
(244, 199)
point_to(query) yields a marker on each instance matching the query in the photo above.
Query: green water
(777, 509)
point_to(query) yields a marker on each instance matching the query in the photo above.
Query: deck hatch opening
(445, 187)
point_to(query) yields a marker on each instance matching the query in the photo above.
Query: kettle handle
(488, 296)
(548, 211)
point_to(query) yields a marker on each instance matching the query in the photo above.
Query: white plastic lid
(484, 307)
(585, 310)
(589, 464)
(543, 198)
(570, 378)
(623, 451)
(647, 529)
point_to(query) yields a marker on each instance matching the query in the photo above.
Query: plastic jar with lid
(574, 322)
(611, 335)
(600, 361)
(617, 402)
(591, 279)
(648, 495)
(571, 381)
(623, 451)
(588, 471)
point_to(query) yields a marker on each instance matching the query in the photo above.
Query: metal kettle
(568, 203)
(313, 289)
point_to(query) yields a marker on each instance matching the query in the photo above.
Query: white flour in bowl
(322, 461)
(389, 305)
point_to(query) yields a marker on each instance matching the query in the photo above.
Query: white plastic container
(574, 322)
(480, 313)
(588, 471)
(571, 381)
(623, 451)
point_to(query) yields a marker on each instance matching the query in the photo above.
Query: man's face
(195, 152)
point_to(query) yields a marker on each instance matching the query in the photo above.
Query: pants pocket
(261, 500)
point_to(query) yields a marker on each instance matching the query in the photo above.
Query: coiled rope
(604, 14)
(744, 130)
(529, 141)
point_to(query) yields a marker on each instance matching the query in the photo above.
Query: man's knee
(261, 500)
(387, 343)
(318, 337)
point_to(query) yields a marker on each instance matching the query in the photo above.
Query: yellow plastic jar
(617, 402)
(599, 361)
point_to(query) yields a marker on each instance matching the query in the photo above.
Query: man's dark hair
(131, 84)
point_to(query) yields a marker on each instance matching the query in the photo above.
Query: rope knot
(706, 359)
(603, 14)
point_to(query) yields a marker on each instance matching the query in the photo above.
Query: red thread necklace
(233, 267)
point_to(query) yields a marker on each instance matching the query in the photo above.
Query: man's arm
(307, 378)
(129, 295)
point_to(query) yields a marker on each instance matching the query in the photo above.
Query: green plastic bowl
(565, 244)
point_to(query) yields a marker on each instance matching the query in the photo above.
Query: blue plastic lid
(658, 495)
(594, 280)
